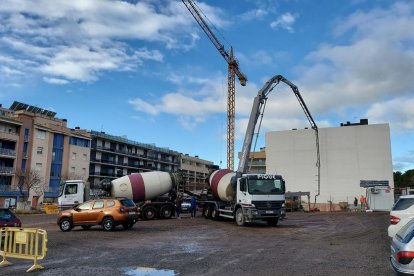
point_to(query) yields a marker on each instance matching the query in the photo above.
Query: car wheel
(240, 217)
(128, 225)
(86, 227)
(149, 213)
(108, 224)
(166, 212)
(65, 224)
(272, 222)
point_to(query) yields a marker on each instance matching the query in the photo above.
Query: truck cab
(259, 197)
(71, 192)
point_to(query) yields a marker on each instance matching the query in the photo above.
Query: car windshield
(265, 186)
(127, 203)
(6, 215)
(406, 233)
(403, 203)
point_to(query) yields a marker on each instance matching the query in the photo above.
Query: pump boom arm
(257, 109)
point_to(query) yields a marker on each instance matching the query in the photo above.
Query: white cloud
(285, 21)
(77, 40)
(55, 80)
(371, 71)
(254, 14)
(399, 111)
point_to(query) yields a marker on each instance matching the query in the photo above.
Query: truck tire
(65, 224)
(272, 221)
(214, 212)
(240, 217)
(149, 213)
(108, 224)
(207, 211)
(166, 212)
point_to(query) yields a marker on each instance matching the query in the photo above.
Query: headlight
(283, 205)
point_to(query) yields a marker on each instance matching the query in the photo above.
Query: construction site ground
(337, 243)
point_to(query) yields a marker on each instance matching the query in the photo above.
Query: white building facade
(348, 155)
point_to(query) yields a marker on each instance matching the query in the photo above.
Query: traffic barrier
(23, 243)
(51, 209)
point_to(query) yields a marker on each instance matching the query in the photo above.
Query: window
(84, 171)
(85, 206)
(41, 134)
(73, 155)
(110, 203)
(38, 167)
(98, 204)
(403, 203)
(84, 157)
(71, 189)
(39, 150)
(72, 170)
(79, 142)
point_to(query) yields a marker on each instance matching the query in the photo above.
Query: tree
(29, 180)
(405, 179)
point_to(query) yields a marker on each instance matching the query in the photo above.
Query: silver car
(402, 250)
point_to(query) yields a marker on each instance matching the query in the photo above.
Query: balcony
(7, 152)
(6, 171)
(9, 135)
(8, 188)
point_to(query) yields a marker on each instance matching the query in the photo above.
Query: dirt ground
(304, 244)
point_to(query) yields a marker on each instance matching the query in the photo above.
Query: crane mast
(233, 69)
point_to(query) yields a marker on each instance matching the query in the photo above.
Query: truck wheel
(166, 212)
(207, 212)
(240, 217)
(214, 212)
(65, 224)
(149, 213)
(108, 224)
(272, 222)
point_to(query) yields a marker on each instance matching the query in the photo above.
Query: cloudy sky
(146, 70)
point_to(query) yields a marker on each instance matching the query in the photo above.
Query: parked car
(401, 213)
(8, 219)
(108, 213)
(402, 250)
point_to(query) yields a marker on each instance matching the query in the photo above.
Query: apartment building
(196, 171)
(116, 156)
(256, 162)
(45, 152)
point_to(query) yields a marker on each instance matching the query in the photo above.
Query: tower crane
(233, 69)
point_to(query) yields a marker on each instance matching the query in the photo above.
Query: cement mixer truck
(154, 192)
(252, 197)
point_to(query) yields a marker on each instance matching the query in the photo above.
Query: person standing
(178, 202)
(193, 206)
(356, 202)
(362, 200)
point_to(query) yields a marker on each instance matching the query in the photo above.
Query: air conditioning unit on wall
(373, 190)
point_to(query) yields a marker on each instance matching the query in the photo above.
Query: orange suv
(108, 213)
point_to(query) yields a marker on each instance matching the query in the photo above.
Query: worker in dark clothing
(178, 202)
(193, 203)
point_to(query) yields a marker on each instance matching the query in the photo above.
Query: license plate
(269, 212)
(132, 213)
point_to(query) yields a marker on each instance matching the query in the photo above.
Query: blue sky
(146, 70)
